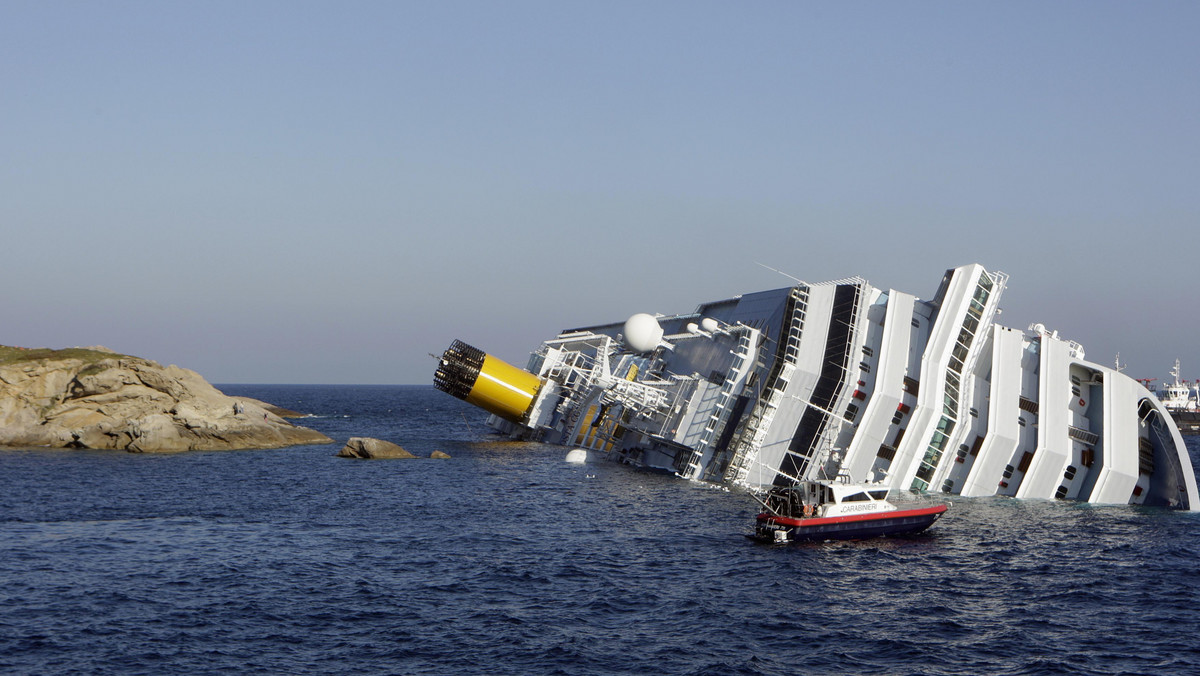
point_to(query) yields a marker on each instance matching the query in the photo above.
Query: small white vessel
(837, 510)
(1182, 401)
(1177, 395)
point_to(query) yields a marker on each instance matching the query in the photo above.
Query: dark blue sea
(505, 559)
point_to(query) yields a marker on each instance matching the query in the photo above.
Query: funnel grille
(458, 369)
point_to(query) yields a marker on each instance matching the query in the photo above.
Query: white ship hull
(805, 382)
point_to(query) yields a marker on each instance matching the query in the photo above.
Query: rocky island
(95, 398)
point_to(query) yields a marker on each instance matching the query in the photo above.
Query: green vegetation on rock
(16, 355)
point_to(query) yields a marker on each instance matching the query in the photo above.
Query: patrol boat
(837, 510)
(758, 390)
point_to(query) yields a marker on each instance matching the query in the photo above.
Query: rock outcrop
(372, 449)
(439, 455)
(95, 398)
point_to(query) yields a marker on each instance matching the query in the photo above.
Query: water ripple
(507, 560)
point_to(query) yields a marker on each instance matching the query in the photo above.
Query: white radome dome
(642, 332)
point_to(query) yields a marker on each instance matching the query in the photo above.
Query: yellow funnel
(487, 382)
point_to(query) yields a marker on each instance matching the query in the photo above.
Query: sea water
(506, 559)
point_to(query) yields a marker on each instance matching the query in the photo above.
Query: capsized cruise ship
(842, 379)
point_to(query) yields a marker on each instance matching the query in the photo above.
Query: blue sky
(299, 192)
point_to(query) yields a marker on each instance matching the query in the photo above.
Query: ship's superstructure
(842, 378)
(1181, 400)
(1178, 395)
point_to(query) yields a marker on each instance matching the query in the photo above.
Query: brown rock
(372, 449)
(439, 454)
(89, 398)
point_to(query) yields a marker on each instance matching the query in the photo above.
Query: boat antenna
(781, 272)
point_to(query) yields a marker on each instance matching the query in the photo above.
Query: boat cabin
(826, 498)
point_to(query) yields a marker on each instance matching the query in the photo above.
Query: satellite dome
(709, 324)
(642, 332)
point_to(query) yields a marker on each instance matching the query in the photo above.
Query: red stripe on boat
(867, 516)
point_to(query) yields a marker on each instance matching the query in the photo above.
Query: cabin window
(945, 425)
(948, 486)
(864, 366)
(971, 324)
(1075, 391)
(974, 413)
(910, 386)
(897, 418)
(1008, 471)
(879, 495)
(851, 411)
(916, 324)
(1021, 422)
(856, 497)
(868, 351)
(959, 352)
(1061, 492)
(1070, 473)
